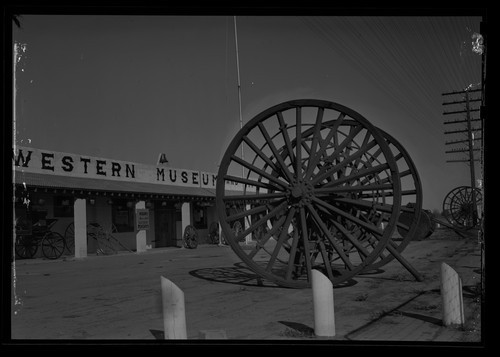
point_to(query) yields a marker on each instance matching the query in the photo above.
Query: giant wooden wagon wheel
(329, 200)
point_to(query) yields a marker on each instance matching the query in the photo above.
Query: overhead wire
(375, 46)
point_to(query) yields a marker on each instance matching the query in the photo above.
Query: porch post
(80, 219)
(140, 236)
(185, 217)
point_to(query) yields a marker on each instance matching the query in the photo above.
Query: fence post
(80, 219)
(174, 313)
(324, 314)
(140, 236)
(451, 292)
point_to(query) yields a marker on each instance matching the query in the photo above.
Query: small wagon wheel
(459, 206)
(69, 238)
(25, 246)
(53, 245)
(213, 233)
(190, 237)
(300, 193)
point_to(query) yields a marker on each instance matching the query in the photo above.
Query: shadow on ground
(239, 274)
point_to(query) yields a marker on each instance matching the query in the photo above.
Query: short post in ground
(174, 312)
(451, 292)
(324, 315)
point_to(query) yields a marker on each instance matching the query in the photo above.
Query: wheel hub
(299, 192)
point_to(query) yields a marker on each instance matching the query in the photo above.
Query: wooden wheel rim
(293, 199)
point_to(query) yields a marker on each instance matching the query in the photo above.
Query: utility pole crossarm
(459, 150)
(461, 141)
(462, 131)
(461, 101)
(462, 92)
(461, 111)
(460, 121)
(463, 160)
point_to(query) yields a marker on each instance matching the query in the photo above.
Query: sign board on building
(142, 218)
(50, 162)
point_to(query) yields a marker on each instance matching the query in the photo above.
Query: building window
(123, 215)
(200, 217)
(63, 206)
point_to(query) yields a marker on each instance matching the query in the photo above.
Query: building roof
(91, 185)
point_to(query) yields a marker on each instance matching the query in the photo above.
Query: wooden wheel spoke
(298, 145)
(293, 252)
(314, 159)
(374, 156)
(286, 137)
(249, 182)
(262, 173)
(366, 204)
(370, 227)
(259, 152)
(326, 171)
(305, 240)
(357, 188)
(260, 243)
(255, 197)
(322, 226)
(246, 213)
(283, 167)
(358, 174)
(316, 137)
(353, 240)
(261, 221)
(281, 239)
(326, 260)
(364, 144)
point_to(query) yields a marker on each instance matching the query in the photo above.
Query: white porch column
(185, 216)
(248, 222)
(140, 236)
(80, 219)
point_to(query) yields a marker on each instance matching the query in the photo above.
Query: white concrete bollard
(451, 292)
(324, 314)
(174, 313)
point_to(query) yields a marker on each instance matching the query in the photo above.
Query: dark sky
(130, 87)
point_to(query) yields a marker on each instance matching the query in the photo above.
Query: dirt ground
(102, 298)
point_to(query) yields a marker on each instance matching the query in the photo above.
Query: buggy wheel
(53, 245)
(105, 245)
(69, 238)
(25, 247)
(190, 237)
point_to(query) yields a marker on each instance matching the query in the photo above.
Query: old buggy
(33, 231)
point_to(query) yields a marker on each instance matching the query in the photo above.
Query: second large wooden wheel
(411, 190)
(319, 206)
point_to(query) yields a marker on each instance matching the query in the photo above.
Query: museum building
(144, 206)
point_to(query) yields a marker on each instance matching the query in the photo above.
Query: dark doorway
(165, 232)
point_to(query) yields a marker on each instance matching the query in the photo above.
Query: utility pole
(469, 131)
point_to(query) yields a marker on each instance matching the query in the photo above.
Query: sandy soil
(118, 297)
